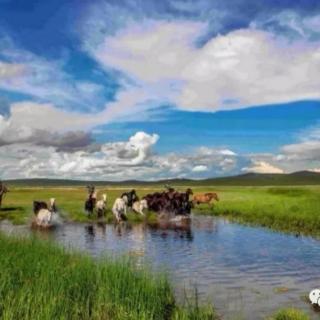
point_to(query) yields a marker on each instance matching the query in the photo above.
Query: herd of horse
(169, 201)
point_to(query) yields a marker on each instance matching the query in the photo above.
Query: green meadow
(39, 280)
(292, 209)
(289, 209)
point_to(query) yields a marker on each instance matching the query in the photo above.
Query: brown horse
(205, 197)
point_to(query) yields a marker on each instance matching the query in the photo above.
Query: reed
(39, 280)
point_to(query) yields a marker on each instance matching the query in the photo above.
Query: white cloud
(307, 150)
(262, 167)
(131, 159)
(227, 152)
(44, 79)
(240, 69)
(200, 168)
(151, 51)
(42, 123)
(120, 160)
(317, 170)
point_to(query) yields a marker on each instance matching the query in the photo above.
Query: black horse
(131, 197)
(91, 201)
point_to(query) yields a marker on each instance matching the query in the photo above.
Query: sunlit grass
(289, 314)
(281, 208)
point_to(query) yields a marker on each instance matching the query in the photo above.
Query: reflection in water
(101, 229)
(239, 268)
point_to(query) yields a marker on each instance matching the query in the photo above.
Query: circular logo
(314, 296)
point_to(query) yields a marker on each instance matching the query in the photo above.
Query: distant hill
(248, 179)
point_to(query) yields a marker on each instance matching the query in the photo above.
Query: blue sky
(157, 89)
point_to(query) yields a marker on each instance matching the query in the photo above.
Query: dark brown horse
(3, 191)
(91, 201)
(170, 201)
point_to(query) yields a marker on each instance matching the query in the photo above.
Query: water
(246, 272)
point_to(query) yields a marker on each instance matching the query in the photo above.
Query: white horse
(44, 216)
(101, 206)
(139, 206)
(120, 208)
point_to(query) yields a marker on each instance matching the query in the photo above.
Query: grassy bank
(293, 209)
(42, 281)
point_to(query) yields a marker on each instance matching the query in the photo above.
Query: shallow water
(246, 272)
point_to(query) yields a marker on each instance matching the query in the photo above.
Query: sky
(117, 90)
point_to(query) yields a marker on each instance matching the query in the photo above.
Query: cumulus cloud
(44, 124)
(112, 160)
(77, 156)
(307, 150)
(131, 159)
(262, 167)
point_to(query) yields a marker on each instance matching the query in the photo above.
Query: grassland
(293, 209)
(42, 281)
(300, 178)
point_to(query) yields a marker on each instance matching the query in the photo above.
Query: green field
(292, 209)
(41, 281)
(295, 209)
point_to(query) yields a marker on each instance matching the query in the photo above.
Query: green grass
(293, 209)
(42, 281)
(289, 314)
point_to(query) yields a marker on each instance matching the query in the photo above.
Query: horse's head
(125, 199)
(90, 189)
(3, 189)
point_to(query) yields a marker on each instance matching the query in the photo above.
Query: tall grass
(42, 281)
(289, 314)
